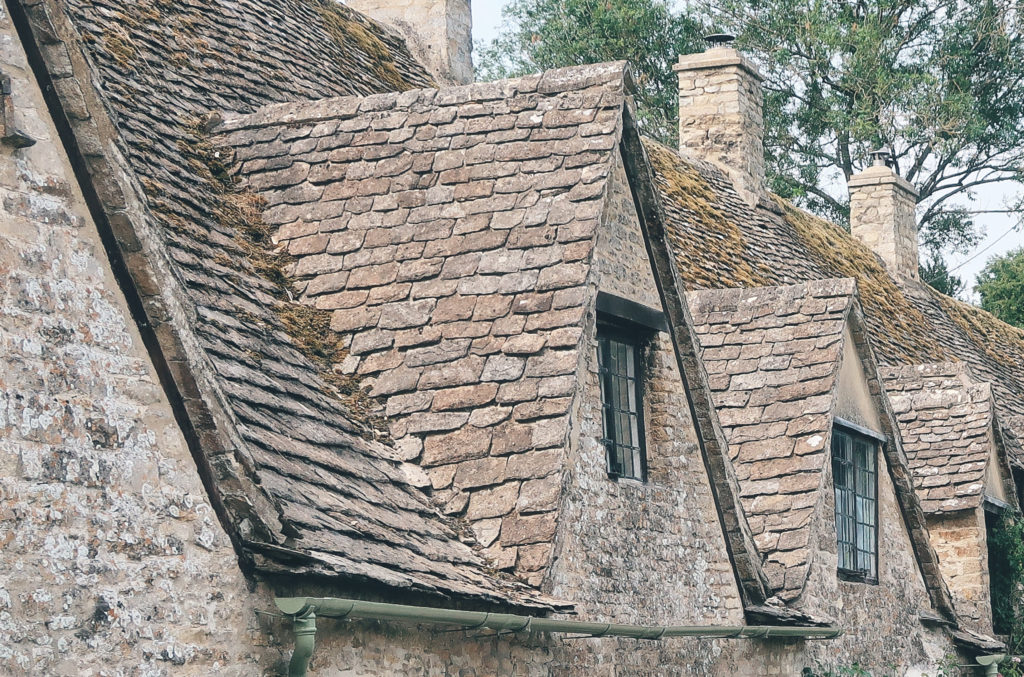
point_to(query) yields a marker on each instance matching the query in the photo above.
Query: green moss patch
(712, 253)
(906, 331)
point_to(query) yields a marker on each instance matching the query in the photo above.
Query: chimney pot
(719, 39)
(883, 215)
(880, 157)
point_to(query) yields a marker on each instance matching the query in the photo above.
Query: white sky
(487, 23)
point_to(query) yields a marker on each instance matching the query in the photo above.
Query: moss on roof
(348, 29)
(1000, 341)
(720, 246)
(908, 331)
(240, 210)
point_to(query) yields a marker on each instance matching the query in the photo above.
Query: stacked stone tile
(300, 487)
(773, 356)
(720, 241)
(450, 234)
(947, 424)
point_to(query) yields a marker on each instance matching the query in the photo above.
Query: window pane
(855, 478)
(620, 395)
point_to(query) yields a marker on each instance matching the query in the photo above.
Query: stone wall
(960, 542)
(720, 116)
(881, 622)
(628, 551)
(883, 217)
(111, 555)
(438, 32)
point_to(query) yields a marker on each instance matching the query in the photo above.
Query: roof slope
(719, 241)
(302, 488)
(449, 233)
(947, 424)
(773, 356)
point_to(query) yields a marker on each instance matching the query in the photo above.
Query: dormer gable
(788, 367)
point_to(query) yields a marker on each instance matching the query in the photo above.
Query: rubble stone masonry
(882, 216)
(959, 540)
(110, 554)
(720, 116)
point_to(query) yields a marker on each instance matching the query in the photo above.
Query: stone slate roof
(449, 233)
(772, 356)
(291, 466)
(720, 241)
(947, 422)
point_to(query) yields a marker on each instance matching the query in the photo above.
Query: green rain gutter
(304, 610)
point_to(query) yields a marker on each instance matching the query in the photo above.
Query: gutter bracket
(304, 626)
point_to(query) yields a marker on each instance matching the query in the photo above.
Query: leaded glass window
(621, 400)
(855, 476)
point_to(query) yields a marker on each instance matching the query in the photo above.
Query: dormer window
(855, 477)
(619, 367)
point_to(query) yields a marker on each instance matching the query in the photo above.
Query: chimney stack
(720, 116)
(882, 215)
(438, 32)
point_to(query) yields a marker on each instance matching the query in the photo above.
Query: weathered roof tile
(774, 410)
(497, 232)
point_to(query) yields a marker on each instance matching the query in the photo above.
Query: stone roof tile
(772, 368)
(720, 241)
(946, 421)
(306, 484)
(466, 219)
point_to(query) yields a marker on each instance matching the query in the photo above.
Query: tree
(936, 273)
(543, 34)
(939, 82)
(1001, 287)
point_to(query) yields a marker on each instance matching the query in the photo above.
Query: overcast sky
(487, 23)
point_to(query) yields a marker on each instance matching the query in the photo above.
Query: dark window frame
(637, 337)
(856, 519)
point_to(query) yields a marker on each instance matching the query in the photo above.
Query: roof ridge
(549, 82)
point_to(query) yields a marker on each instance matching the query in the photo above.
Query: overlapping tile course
(946, 421)
(450, 233)
(317, 497)
(720, 241)
(772, 356)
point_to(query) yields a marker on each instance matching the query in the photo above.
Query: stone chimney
(720, 119)
(438, 32)
(882, 216)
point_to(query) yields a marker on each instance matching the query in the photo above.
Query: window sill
(856, 577)
(628, 481)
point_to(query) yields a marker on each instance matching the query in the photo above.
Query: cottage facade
(287, 320)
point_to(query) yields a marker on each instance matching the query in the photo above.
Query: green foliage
(1006, 567)
(1011, 667)
(822, 670)
(1001, 287)
(936, 81)
(543, 34)
(949, 667)
(936, 273)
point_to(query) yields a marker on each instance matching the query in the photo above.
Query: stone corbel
(10, 135)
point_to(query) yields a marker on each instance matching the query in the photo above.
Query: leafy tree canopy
(1001, 287)
(936, 273)
(939, 82)
(543, 34)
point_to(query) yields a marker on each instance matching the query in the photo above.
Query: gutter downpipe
(304, 610)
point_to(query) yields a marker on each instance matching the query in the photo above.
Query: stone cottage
(287, 321)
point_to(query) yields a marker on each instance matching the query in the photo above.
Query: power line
(990, 245)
